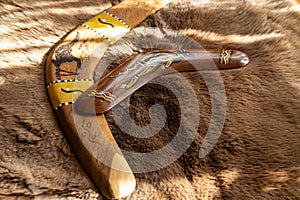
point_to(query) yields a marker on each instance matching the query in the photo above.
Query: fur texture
(257, 155)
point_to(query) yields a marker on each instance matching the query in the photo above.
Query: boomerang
(69, 73)
(146, 66)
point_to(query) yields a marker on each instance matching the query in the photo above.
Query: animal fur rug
(257, 155)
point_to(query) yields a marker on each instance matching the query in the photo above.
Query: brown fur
(257, 155)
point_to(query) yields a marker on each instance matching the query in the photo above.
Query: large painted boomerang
(69, 72)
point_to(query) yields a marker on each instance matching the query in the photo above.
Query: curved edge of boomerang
(67, 77)
(140, 69)
(62, 70)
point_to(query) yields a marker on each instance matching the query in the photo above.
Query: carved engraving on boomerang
(148, 64)
(107, 96)
(142, 68)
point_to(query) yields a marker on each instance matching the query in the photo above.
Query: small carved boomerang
(143, 67)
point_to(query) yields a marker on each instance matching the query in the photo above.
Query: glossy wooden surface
(142, 68)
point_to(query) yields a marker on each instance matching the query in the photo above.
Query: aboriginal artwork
(64, 92)
(225, 56)
(149, 63)
(105, 95)
(67, 90)
(64, 54)
(108, 26)
(104, 22)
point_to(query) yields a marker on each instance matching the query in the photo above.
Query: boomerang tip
(244, 59)
(230, 59)
(122, 184)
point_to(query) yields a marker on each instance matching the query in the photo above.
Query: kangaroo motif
(64, 54)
